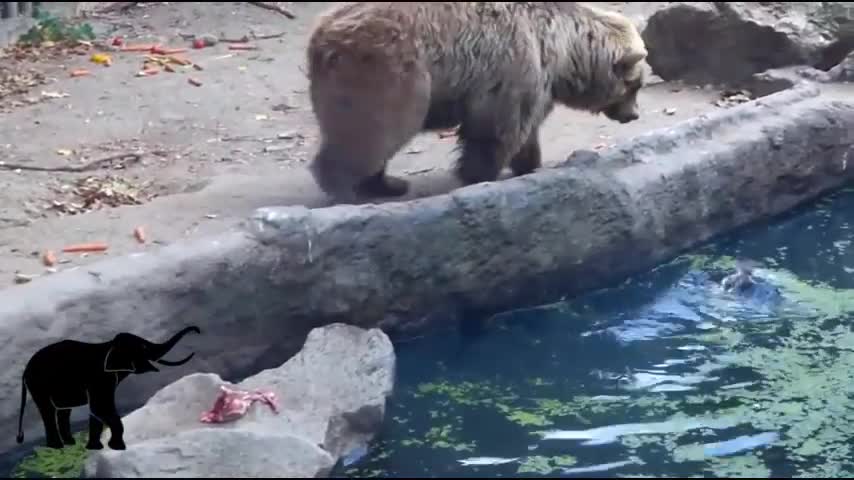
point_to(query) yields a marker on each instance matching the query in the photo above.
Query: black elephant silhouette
(70, 374)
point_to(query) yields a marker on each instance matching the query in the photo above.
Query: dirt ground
(211, 154)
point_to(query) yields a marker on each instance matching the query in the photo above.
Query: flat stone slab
(258, 291)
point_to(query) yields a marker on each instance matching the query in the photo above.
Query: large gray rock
(707, 42)
(331, 396)
(405, 266)
(844, 72)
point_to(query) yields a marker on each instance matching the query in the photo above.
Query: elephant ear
(117, 360)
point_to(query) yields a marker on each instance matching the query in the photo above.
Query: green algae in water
(55, 463)
(545, 465)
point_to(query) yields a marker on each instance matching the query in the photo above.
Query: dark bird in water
(744, 283)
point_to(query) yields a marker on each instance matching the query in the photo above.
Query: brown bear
(382, 72)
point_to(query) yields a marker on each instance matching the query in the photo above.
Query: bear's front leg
(495, 131)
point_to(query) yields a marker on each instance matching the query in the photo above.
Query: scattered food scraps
(139, 234)
(86, 247)
(243, 46)
(15, 80)
(261, 117)
(101, 59)
(24, 278)
(64, 152)
(179, 60)
(451, 132)
(82, 72)
(669, 111)
(138, 48)
(48, 258)
(94, 193)
(55, 94)
(731, 98)
(232, 404)
(118, 41)
(158, 50)
(205, 40)
(148, 72)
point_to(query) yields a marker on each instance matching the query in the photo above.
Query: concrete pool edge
(257, 292)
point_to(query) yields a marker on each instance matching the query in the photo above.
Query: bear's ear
(629, 60)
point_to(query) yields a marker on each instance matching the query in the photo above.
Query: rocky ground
(210, 154)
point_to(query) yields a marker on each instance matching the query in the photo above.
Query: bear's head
(627, 75)
(629, 80)
(606, 71)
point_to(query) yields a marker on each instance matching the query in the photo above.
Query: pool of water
(664, 375)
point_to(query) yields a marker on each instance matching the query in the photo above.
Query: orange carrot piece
(179, 60)
(138, 48)
(242, 47)
(86, 247)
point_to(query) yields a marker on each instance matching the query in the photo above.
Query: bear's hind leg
(529, 157)
(365, 119)
(382, 185)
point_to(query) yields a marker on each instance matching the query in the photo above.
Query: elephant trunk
(159, 350)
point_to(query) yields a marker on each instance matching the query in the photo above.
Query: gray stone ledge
(405, 266)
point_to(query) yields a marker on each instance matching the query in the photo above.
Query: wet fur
(382, 72)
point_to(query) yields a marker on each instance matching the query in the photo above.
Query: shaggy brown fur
(382, 72)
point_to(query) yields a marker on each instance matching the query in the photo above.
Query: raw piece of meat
(232, 404)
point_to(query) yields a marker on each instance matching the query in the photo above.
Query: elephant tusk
(175, 364)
